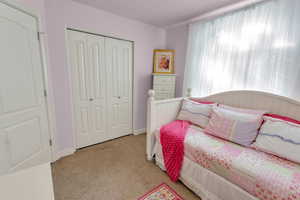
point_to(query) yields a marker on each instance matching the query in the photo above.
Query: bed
(235, 171)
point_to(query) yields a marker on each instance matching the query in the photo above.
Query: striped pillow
(280, 136)
(234, 125)
(195, 112)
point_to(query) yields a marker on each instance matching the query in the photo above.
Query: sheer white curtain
(256, 48)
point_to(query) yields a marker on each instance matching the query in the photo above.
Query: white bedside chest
(164, 86)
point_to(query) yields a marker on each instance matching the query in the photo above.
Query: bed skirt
(205, 183)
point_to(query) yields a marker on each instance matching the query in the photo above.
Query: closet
(101, 73)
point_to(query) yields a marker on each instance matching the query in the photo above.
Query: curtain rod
(217, 12)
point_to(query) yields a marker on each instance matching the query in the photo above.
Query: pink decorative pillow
(234, 125)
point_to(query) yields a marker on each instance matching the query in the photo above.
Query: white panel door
(119, 64)
(24, 136)
(89, 87)
(98, 78)
(81, 86)
(102, 87)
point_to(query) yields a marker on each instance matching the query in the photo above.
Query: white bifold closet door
(102, 87)
(24, 134)
(119, 75)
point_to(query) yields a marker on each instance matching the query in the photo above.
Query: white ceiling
(160, 13)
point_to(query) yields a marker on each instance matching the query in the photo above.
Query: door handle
(119, 97)
(91, 99)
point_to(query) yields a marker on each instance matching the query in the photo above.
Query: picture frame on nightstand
(163, 61)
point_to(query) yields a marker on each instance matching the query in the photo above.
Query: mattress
(264, 176)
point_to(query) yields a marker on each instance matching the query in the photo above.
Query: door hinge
(45, 93)
(50, 142)
(38, 36)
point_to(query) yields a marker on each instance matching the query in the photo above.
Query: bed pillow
(195, 112)
(280, 136)
(249, 111)
(236, 126)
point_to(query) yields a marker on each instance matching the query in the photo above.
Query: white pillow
(195, 112)
(279, 137)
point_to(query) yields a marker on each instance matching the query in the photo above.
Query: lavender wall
(59, 15)
(177, 38)
(39, 7)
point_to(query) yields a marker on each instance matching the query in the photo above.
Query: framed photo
(163, 61)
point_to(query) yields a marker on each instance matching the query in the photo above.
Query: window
(256, 48)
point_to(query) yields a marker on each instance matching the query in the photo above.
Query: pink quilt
(265, 176)
(172, 137)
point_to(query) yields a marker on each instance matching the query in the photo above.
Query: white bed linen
(203, 182)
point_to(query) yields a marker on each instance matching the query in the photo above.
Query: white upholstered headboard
(164, 111)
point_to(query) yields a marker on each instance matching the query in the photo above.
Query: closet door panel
(82, 82)
(98, 79)
(125, 75)
(114, 81)
(81, 87)
(84, 120)
(82, 70)
(119, 54)
(126, 87)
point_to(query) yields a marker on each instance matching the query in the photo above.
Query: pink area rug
(161, 192)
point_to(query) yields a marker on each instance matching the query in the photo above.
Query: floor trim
(63, 153)
(139, 131)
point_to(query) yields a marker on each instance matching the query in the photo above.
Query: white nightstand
(164, 86)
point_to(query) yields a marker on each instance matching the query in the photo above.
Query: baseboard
(139, 131)
(69, 151)
(60, 154)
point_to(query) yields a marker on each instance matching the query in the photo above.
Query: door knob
(91, 99)
(119, 97)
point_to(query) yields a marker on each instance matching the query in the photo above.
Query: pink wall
(177, 38)
(61, 14)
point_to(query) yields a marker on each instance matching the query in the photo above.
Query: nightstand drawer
(164, 86)
(164, 79)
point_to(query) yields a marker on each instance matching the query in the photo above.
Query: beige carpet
(115, 170)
